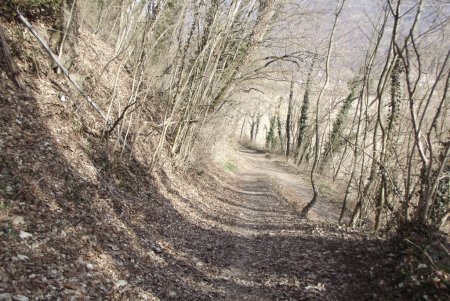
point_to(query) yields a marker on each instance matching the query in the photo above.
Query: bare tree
(308, 207)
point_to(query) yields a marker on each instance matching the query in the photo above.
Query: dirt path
(79, 222)
(296, 187)
(268, 252)
(115, 232)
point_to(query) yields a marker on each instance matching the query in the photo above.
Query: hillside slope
(83, 219)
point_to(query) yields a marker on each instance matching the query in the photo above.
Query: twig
(445, 249)
(120, 117)
(424, 253)
(161, 125)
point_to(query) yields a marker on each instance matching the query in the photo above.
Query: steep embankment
(81, 219)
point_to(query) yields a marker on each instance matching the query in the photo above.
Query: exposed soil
(290, 183)
(273, 254)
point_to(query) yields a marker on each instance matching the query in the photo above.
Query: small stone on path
(121, 283)
(5, 297)
(20, 298)
(24, 235)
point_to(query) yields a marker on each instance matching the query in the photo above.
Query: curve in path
(269, 253)
(296, 186)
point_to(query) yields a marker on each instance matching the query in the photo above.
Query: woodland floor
(82, 221)
(125, 234)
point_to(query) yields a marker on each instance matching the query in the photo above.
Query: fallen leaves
(90, 225)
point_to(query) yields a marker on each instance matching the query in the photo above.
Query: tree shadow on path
(116, 236)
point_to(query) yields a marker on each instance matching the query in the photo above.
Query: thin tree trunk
(313, 201)
(355, 159)
(66, 30)
(14, 72)
(288, 120)
(303, 120)
(242, 128)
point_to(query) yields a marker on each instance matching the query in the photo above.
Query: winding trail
(114, 231)
(292, 184)
(268, 252)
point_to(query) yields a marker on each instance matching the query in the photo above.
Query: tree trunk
(288, 120)
(313, 201)
(12, 70)
(303, 121)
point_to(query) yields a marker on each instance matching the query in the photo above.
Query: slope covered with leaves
(83, 219)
